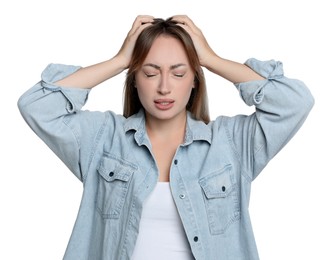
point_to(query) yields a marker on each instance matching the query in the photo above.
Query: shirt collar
(195, 130)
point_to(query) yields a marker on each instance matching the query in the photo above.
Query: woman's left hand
(205, 52)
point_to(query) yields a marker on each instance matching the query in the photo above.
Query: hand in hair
(201, 45)
(230, 70)
(140, 23)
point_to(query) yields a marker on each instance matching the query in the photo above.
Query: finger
(185, 22)
(142, 27)
(142, 19)
(140, 23)
(181, 18)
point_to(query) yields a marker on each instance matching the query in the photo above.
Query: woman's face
(165, 80)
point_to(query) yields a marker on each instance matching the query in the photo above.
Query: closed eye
(149, 75)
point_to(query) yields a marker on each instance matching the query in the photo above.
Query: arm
(54, 111)
(230, 70)
(93, 75)
(282, 104)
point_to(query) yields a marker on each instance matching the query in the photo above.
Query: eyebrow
(159, 68)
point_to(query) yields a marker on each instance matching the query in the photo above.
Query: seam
(224, 122)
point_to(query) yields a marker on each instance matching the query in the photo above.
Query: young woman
(163, 181)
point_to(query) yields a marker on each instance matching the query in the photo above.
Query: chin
(164, 115)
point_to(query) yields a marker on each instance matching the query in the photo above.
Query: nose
(164, 86)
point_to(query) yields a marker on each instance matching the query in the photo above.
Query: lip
(164, 104)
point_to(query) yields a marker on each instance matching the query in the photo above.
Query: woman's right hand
(93, 75)
(140, 23)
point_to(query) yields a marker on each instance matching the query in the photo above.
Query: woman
(163, 181)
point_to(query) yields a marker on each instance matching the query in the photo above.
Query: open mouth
(164, 104)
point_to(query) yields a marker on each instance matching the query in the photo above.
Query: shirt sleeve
(282, 105)
(54, 114)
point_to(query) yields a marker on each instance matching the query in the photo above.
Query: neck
(167, 129)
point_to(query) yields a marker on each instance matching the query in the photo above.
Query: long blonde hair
(198, 102)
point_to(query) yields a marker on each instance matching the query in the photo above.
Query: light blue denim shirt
(210, 176)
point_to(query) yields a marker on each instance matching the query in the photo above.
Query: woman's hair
(198, 103)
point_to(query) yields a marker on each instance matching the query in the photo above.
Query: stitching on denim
(224, 121)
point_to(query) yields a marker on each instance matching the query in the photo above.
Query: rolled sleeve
(252, 92)
(76, 97)
(282, 105)
(55, 114)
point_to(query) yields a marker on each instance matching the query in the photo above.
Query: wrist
(211, 62)
(117, 64)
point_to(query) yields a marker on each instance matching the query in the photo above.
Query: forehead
(166, 50)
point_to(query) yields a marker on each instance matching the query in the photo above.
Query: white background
(39, 197)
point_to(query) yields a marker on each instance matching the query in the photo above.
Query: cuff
(252, 92)
(76, 97)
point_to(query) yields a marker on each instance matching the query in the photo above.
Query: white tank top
(161, 233)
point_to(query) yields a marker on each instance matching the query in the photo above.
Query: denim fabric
(210, 176)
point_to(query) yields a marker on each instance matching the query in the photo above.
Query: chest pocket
(221, 199)
(114, 180)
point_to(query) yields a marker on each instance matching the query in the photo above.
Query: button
(176, 162)
(111, 174)
(182, 196)
(223, 188)
(196, 239)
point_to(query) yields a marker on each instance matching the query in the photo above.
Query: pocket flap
(116, 169)
(218, 184)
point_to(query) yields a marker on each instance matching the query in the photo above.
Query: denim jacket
(210, 176)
